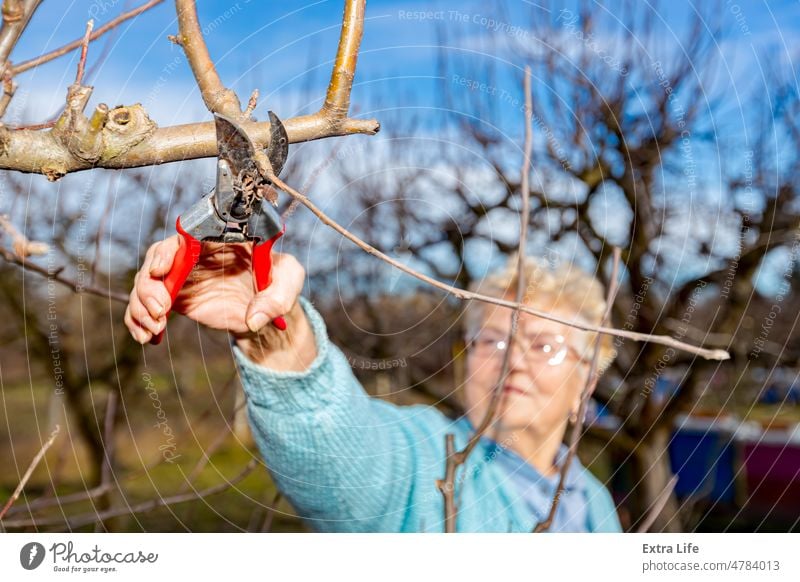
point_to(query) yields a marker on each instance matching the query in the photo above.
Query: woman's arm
(344, 460)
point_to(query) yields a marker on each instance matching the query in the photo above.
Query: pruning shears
(237, 209)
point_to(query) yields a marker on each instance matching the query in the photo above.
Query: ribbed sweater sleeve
(344, 460)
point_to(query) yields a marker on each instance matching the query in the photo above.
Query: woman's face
(545, 374)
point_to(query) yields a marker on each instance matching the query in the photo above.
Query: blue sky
(286, 50)
(282, 47)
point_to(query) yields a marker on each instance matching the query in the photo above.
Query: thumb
(278, 299)
(164, 255)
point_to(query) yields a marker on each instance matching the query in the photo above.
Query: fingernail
(257, 321)
(154, 307)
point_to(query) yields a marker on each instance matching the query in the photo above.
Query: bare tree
(125, 137)
(620, 119)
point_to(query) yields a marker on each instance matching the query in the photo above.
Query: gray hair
(562, 286)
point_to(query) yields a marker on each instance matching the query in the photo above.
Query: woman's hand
(220, 294)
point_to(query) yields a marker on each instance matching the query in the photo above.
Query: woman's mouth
(514, 389)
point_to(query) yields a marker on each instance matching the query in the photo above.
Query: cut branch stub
(80, 142)
(126, 128)
(12, 11)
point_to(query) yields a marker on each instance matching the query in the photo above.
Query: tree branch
(337, 100)
(591, 384)
(447, 487)
(29, 472)
(143, 507)
(217, 97)
(130, 139)
(23, 248)
(14, 25)
(710, 354)
(661, 501)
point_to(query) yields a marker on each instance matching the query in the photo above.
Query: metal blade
(278, 149)
(235, 147)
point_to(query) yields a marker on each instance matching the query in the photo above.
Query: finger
(141, 315)
(164, 255)
(140, 334)
(152, 293)
(278, 299)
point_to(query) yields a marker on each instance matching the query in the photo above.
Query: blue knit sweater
(348, 462)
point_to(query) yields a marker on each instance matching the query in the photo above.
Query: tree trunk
(651, 474)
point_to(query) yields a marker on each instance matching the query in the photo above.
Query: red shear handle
(185, 259)
(262, 270)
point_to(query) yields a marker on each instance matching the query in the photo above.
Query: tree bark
(651, 475)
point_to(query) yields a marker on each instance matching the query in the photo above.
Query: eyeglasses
(550, 349)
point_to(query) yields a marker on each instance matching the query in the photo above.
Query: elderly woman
(348, 462)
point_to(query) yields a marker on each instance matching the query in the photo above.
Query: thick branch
(13, 27)
(216, 96)
(131, 139)
(337, 100)
(139, 143)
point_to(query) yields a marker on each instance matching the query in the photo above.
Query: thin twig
(521, 253)
(108, 439)
(659, 504)
(101, 230)
(709, 354)
(588, 390)
(45, 502)
(447, 485)
(312, 178)
(267, 525)
(143, 507)
(38, 126)
(56, 275)
(22, 247)
(39, 456)
(453, 459)
(252, 103)
(107, 469)
(84, 52)
(9, 88)
(67, 48)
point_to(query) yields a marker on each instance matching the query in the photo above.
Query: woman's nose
(519, 357)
